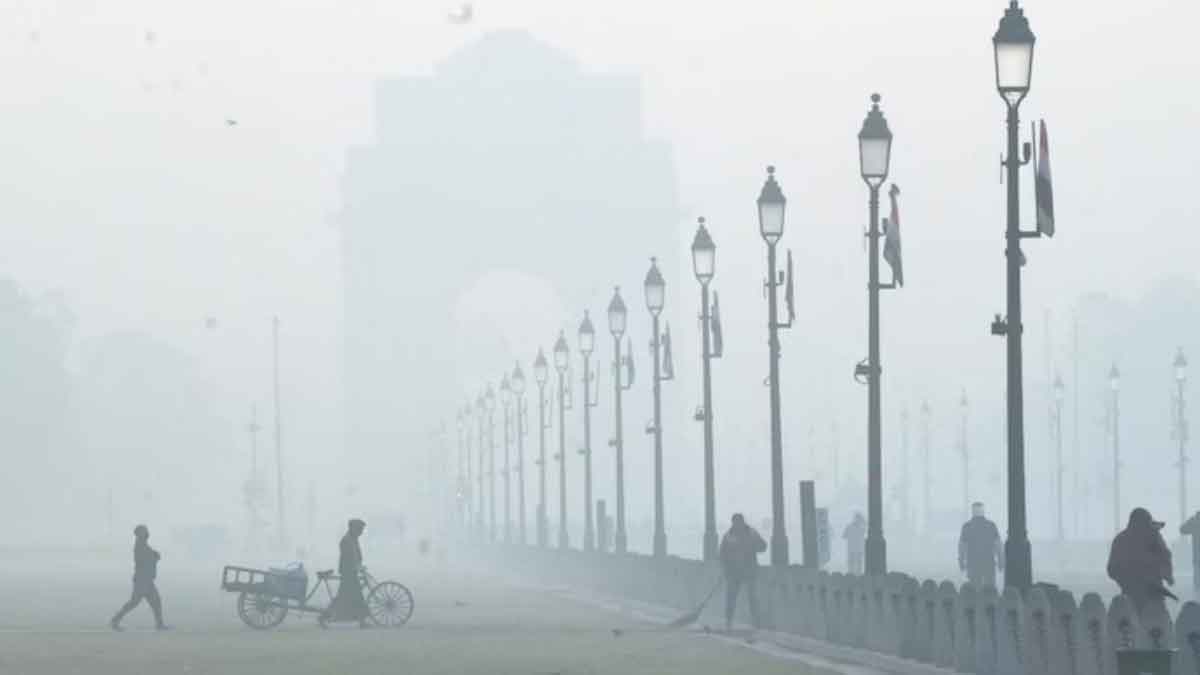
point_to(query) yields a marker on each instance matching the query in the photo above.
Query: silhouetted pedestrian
(1139, 561)
(739, 559)
(145, 570)
(980, 551)
(348, 604)
(856, 538)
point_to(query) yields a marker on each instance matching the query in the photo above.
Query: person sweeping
(739, 560)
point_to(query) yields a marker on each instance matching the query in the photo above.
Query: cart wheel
(259, 611)
(390, 604)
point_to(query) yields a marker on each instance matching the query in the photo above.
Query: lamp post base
(1018, 564)
(876, 554)
(779, 549)
(660, 544)
(710, 545)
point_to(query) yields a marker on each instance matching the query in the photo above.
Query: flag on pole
(790, 293)
(891, 241)
(718, 337)
(629, 373)
(668, 363)
(1042, 188)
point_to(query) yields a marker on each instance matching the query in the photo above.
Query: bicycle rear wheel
(261, 611)
(390, 604)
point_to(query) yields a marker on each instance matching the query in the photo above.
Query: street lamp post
(490, 403)
(587, 344)
(506, 398)
(541, 374)
(481, 406)
(1059, 396)
(655, 289)
(464, 464)
(771, 209)
(518, 388)
(927, 479)
(704, 253)
(1114, 383)
(617, 319)
(1013, 45)
(560, 364)
(874, 152)
(1181, 431)
(964, 450)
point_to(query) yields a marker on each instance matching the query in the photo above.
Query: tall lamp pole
(560, 364)
(655, 289)
(1181, 430)
(506, 398)
(927, 480)
(704, 253)
(874, 154)
(541, 374)
(1114, 383)
(518, 388)
(771, 208)
(964, 450)
(587, 344)
(1013, 45)
(617, 320)
(481, 406)
(1059, 397)
(489, 400)
(464, 464)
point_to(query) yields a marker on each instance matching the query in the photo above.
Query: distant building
(510, 157)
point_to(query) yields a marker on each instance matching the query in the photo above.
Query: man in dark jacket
(145, 570)
(739, 559)
(1139, 561)
(980, 551)
(348, 604)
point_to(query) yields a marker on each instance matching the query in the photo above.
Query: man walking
(145, 569)
(980, 551)
(1139, 561)
(348, 604)
(739, 559)
(856, 538)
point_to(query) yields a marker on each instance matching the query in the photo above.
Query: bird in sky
(463, 14)
(230, 122)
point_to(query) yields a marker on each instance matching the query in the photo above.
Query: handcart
(266, 596)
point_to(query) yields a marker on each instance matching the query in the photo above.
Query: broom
(694, 615)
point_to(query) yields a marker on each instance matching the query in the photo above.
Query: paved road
(53, 623)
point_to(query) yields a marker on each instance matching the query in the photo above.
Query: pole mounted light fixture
(617, 315)
(704, 254)
(540, 372)
(874, 146)
(1013, 44)
(655, 289)
(561, 353)
(1180, 364)
(771, 208)
(587, 336)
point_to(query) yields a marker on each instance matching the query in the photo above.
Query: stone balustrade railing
(964, 629)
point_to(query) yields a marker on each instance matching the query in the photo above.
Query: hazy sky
(122, 185)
